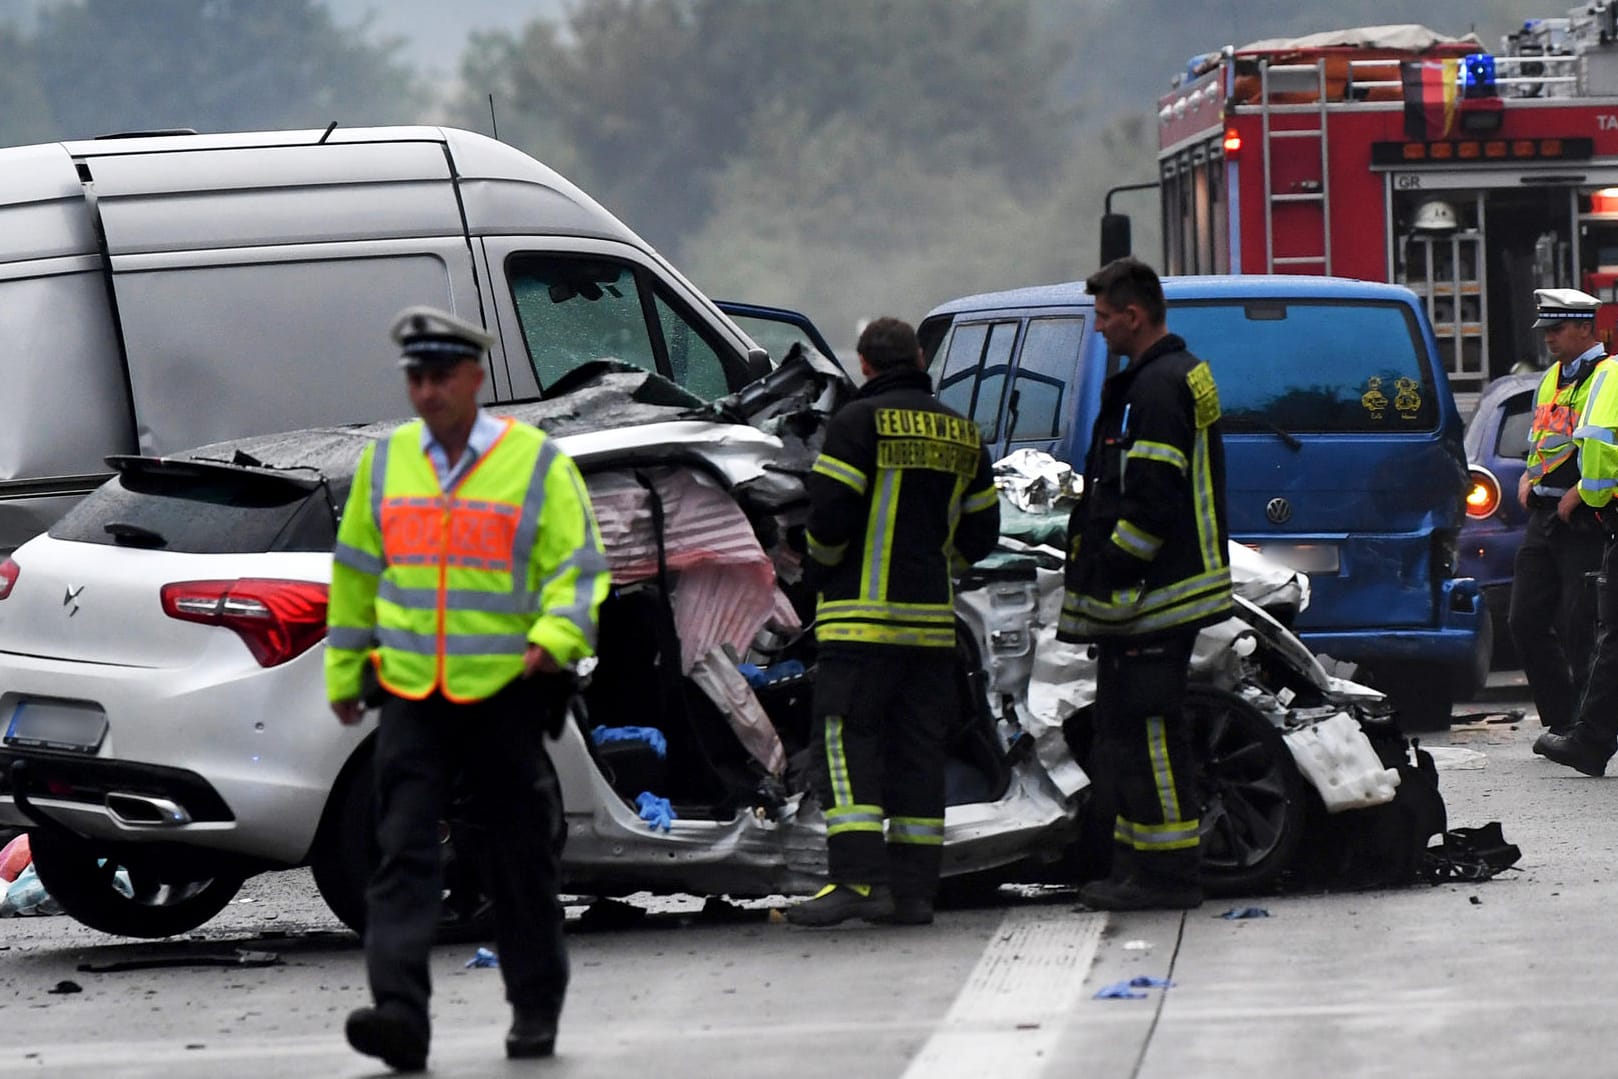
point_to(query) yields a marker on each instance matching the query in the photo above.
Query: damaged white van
(164, 291)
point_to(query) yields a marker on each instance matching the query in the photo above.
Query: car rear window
(1516, 416)
(1312, 366)
(171, 506)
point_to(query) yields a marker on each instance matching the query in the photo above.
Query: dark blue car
(1496, 451)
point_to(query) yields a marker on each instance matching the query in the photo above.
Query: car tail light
(278, 620)
(1482, 493)
(8, 576)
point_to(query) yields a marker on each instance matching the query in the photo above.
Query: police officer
(1552, 615)
(469, 569)
(901, 490)
(1589, 745)
(1147, 566)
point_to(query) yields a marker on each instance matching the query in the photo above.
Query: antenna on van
(329, 129)
(493, 123)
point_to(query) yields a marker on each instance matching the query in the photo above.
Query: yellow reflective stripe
(917, 831)
(853, 818)
(1157, 747)
(1205, 505)
(842, 472)
(898, 612)
(842, 791)
(1151, 838)
(879, 530)
(1133, 539)
(824, 553)
(982, 500)
(1158, 451)
(869, 633)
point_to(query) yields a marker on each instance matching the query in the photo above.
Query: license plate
(68, 725)
(1320, 558)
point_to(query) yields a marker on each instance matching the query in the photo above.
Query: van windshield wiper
(134, 535)
(1291, 440)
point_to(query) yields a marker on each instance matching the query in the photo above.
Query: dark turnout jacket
(901, 495)
(1148, 544)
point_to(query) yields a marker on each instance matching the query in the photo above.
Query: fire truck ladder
(1320, 197)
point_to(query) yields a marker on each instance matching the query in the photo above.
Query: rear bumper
(1460, 641)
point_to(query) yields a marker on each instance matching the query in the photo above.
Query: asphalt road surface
(1509, 977)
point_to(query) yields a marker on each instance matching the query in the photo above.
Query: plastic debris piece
(483, 958)
(1118, 991)
(14, 858)
(26, 897)
(1238, 913)
(1146, 981)
(649, 735)
(776, 672)
(241, 957)
(1137, 945)
(655, 811)
(62, 988)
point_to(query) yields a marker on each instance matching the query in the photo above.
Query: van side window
(1045, 368)
(972, 380)
(692, 361)
(577, 310)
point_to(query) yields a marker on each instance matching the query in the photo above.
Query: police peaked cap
(428, 337)
(1558, 305)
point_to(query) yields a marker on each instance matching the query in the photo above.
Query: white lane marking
(1007, 1017)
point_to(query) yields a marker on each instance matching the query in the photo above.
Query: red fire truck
(1397, 154)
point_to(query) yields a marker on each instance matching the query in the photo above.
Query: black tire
(345, 852)
(1252, 795)
(168, 900)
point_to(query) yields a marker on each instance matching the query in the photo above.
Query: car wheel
(162, 900)
(1252, 809)
(345, 852)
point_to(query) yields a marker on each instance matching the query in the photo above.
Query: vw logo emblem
(1278, 510)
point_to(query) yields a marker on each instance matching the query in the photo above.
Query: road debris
(1240, 913)
(241, 957)
(482, 958)
(1127, 990)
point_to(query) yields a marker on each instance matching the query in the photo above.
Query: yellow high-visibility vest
(448, 589)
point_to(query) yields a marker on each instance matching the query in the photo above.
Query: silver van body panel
(161, 292)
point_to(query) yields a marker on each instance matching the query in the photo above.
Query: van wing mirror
(1115, 239)
(758, 363)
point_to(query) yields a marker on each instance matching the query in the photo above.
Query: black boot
(1136, 893)
(532, 1034)
(388, 1036)
(907, 910)
(837, 903)
(1572, 751)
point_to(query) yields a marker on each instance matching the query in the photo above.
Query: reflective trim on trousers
(920, 831)
(853, 818)
(842, 791)
(1150, 838)
(1157, 747)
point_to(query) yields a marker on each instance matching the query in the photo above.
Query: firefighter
(901, 496)
(1594, 734)
(1552, 614)
(1147, 566)
(469, 569)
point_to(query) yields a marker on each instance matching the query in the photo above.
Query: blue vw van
(1343, 448)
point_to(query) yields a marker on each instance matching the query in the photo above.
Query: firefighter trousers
(1552, 616)
(513, 812)
(881, 715)
(1143, 743)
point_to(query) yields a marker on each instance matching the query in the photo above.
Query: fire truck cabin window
(1313, 367)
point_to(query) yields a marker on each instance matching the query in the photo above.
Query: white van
(163, 291)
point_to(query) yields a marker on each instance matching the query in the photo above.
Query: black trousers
(515, 805)
(881, 714)
(1598, 709)
(1552, 614)
(1143, 742)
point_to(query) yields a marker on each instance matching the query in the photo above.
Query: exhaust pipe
(146, 809)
